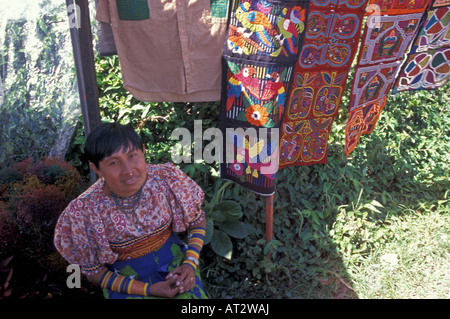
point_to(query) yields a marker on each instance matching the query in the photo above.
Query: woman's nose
(127, 169)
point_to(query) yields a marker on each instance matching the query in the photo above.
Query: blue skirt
(153, 268)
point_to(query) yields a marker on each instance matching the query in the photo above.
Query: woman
(123, 230)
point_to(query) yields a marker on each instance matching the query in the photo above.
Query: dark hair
(109, 138)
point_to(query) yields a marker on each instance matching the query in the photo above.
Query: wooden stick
(269, 218)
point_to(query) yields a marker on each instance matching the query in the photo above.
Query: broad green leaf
(376, 203)
(315, 217)
(234, 229)
(221, 244)
(230, 211)
(371, 208)
(209, 231)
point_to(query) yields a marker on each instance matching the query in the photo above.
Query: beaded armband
(121, 284)
(195, 244)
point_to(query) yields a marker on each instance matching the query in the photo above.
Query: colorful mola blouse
(93, 230)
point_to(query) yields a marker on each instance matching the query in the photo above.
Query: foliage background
(38, 90)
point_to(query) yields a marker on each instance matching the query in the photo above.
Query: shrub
(32, 196)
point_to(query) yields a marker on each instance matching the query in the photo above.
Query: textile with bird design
(260, 51)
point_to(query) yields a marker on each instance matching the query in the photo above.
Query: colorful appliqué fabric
(395, 7)
(261, 49)
(312, 108)
(333, 31)
(259, 55)
(93, 231)
(441, 3)
(251, 157)
(362, 121)
(387, 37)
(428, 63)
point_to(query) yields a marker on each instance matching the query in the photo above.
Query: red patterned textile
(387, 37)
(332, 36)
(396, 7)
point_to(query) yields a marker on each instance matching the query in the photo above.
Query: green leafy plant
(223, 221)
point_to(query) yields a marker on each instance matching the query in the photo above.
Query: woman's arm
(196, 237)
(118, 283)
(186, 272)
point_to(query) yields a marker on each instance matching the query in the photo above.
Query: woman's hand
(166, 289)
(184, 277)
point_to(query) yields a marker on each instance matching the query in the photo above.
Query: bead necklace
(128, 204)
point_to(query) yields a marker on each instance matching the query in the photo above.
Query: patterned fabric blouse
(92, 223)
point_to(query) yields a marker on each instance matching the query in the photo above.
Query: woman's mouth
(131, 181)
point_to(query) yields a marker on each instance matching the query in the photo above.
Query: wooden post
(88, 66)
(269, 218)
(83, 52)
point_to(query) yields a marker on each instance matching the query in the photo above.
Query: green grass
(414, 262)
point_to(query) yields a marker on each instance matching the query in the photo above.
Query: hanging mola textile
(333, 32)
(262, 45)
(397, 7)
(428, 64)
(386, 39)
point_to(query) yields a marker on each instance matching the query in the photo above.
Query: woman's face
(124, 172)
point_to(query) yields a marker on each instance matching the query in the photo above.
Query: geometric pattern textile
(428, 64)
(397, 7)
(372, 83)
(362, 121)
(389, 39)
(386, 40)
(332, 36)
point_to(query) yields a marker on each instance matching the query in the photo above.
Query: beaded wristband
(121, 284)
(195, 244)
